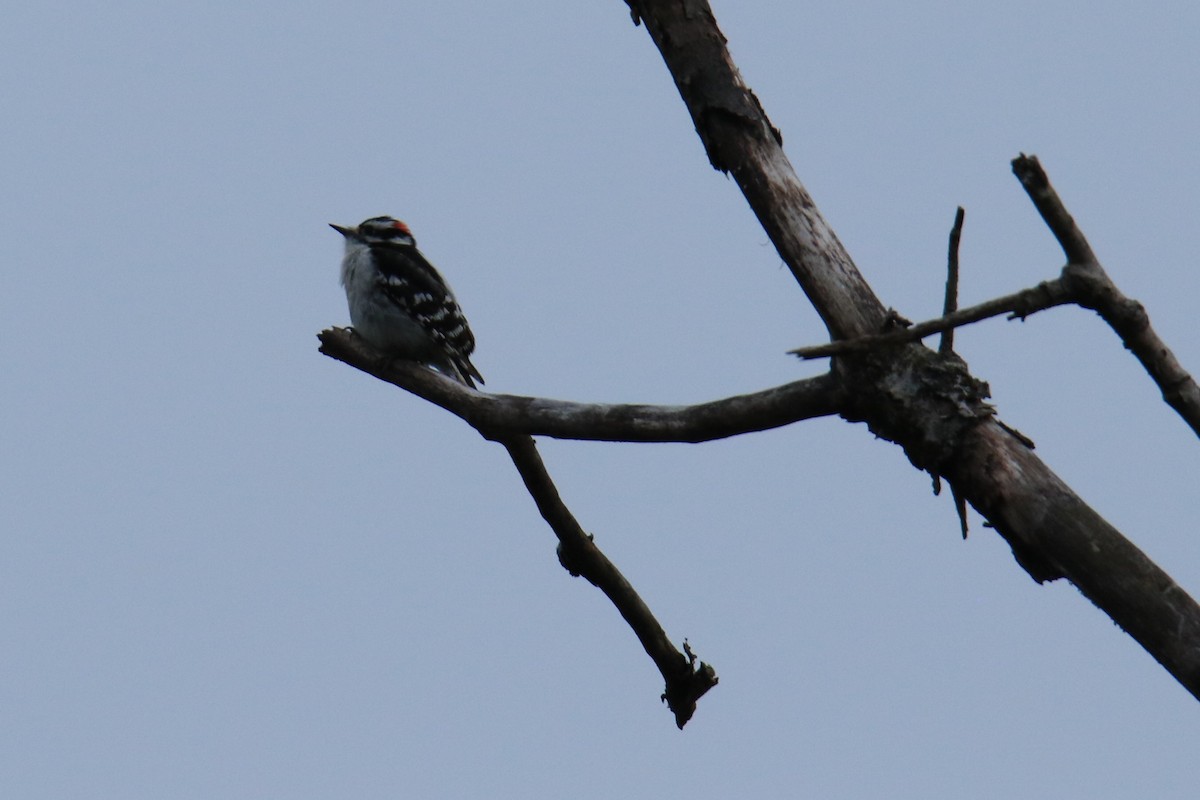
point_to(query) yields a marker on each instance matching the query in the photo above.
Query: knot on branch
(922, 400)
(573, 559)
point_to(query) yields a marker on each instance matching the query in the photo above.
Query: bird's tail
(460, 368)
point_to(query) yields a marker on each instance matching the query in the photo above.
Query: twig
(1017, 305)
(951, 305)
(498, 414)
(685, 681)
(1095, 290)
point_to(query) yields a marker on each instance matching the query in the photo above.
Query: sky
(231, 567)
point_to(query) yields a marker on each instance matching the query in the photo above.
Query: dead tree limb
(496, 415)
(510, 420)
(1095, 290)
(928, 403)
(742, 142)
(686, 682)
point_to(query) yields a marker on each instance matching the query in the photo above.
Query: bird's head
(377, 229)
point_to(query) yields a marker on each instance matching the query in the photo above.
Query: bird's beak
(342, 230)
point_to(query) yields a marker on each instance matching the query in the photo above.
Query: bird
(400, 304)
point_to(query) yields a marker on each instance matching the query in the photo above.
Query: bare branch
(509, 420)
(497, 414)
(1093, 289)
(951, 305)
(1037, 185)
(685, 682)
(1017, 305)
(742, 142)
(1054, 534)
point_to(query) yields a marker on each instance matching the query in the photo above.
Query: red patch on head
(400, 226)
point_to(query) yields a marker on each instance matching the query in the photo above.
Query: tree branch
(1017, 305)
(1055, 534)
(685, 681)
(1037, 185)
(510, 420)
(742, 142)
(498, 414)
(1095, 290)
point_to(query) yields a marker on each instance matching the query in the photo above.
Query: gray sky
(234, 568)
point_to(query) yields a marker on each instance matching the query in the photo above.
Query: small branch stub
(951, 305)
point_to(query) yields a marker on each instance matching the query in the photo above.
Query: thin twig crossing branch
(1017, 305)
